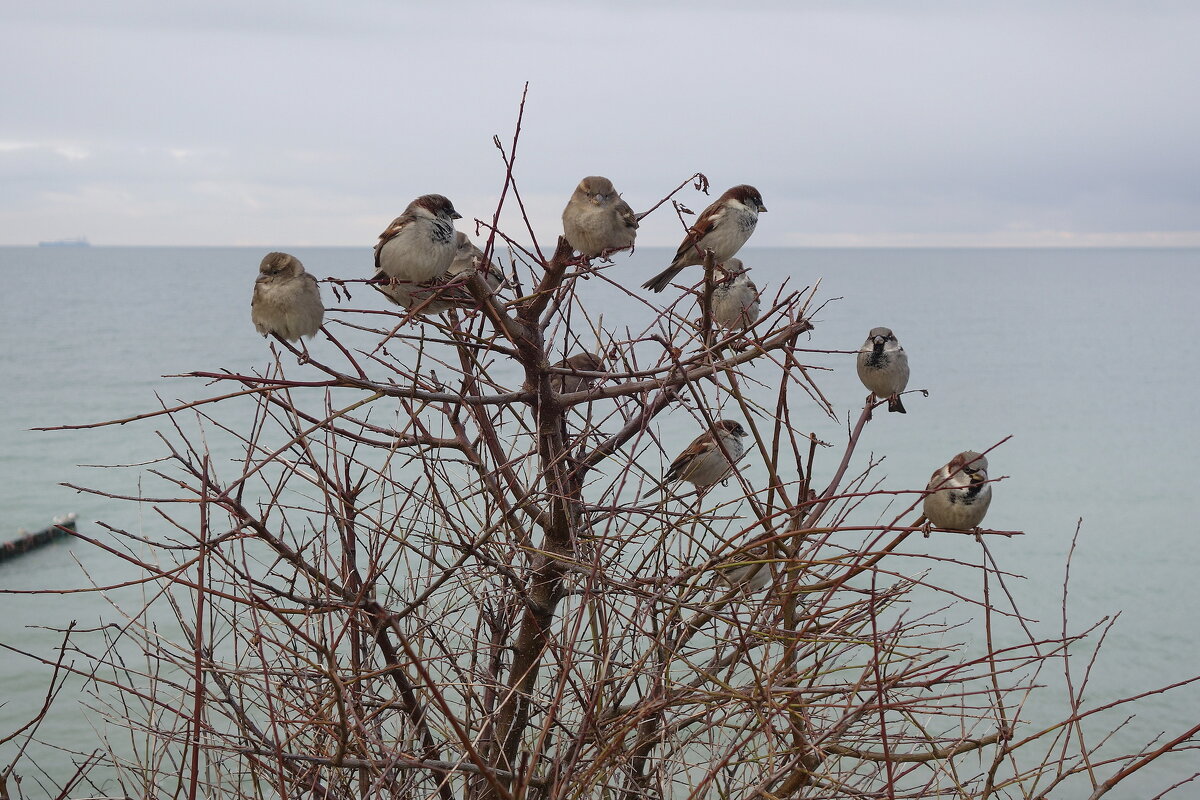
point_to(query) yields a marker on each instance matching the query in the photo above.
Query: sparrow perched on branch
(419, 244)
(286, 300)
(959, 493)
(749, 567)
(596, 220)
(584, 362)
(883, 367)
(434, 296)
(703, 463)
(735, 300)
(723, 227)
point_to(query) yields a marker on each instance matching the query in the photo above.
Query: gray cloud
(195, 123)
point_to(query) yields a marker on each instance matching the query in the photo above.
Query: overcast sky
(862, 122)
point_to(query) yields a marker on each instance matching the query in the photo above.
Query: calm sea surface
(1082, 356)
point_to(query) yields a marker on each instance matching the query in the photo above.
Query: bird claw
(607, 253)
(926, 529)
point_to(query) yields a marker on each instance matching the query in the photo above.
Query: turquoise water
(1082, 356)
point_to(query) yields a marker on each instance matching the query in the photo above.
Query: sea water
(1085, 357)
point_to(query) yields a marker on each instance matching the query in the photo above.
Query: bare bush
(430, 574)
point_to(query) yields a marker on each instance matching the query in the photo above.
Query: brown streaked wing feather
(394, 228)
(937, 478)
(707, 221)
(627, 215)
(388, 233)
(702, 445)
(254, 296)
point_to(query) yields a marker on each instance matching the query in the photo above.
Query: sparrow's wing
(258, 284)
(703, 226)
(685, 255)
(626, 214)
(677, 466)
(938, 479)
(388, 234)
(693, 235)
(701, 447)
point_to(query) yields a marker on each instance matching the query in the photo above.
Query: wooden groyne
(32, 541)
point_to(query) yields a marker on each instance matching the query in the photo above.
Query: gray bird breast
(967, 496)
(747, 220)
(877, 358)
(443, 230)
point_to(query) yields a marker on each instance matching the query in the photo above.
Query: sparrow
(703, 463)
(287, 300)
(596, 220)
(419, 245)
(434, 296)
(584, 362)
(735, 300)
(749, 568)
(723, 227)
(883, 367)
(958, 493)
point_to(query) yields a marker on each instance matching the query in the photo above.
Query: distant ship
(78, 241)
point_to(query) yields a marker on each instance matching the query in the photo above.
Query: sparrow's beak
(878, 340)
(761, 209)
(455, 215)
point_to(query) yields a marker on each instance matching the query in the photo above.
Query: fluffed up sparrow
(596, 220)
(584, 362)
(419, 244)
(959, 494)
(883, 367)
(287, 300)
(434, 296)
(735, 300)
(723, 227)
(703, 463)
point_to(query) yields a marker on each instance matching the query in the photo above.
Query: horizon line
(1182, 245)
(997, 239)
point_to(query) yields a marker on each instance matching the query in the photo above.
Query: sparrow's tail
(662, 279)
(658, 487)
(398, 293)
(894, 404)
